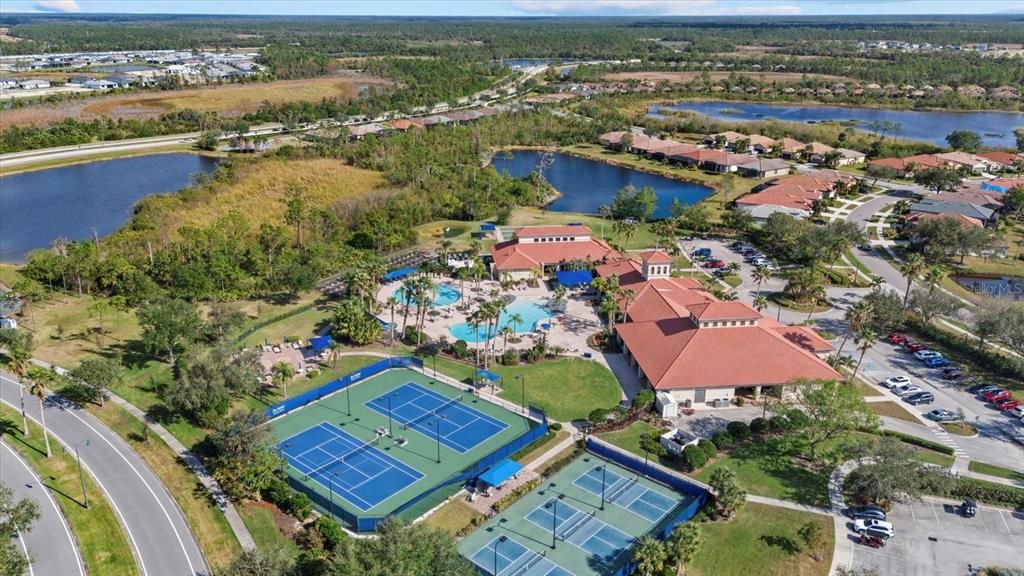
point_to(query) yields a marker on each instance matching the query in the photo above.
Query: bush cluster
(290, 502)
(921, 442)
(517, 493)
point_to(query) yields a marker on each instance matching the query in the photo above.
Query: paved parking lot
(932, 539)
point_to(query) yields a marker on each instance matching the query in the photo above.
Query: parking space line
(936, 514)
(1003, 518)
(912, 515)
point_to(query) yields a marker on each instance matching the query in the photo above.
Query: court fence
(659, 474)
(429, 498)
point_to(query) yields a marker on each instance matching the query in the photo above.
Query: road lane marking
(60, 513)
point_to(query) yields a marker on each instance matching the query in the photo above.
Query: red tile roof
(791, 145)
(674, 354)
(719, 311)
(664, 298)
(913, 217)
(656, 256)
(536, 231)
(1004, 158)
(513, 255)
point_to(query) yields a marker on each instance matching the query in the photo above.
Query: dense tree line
(71, 131)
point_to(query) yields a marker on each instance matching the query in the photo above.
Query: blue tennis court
(583, 530)
(355, 470)
(626, 493)
(462, 427)
(510, 558)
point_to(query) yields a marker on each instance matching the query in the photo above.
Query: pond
(1004, 287)
(586, 185)
(995, 128)
(79, 200)
(530, 310)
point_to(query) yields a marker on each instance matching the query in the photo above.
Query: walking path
(193, 463)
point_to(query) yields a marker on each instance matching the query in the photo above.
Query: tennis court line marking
(576, 512)
(489, 547)
(626, 506)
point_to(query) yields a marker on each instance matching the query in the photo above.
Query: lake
(72, 201)
(1004, 288)
(996, 128)
(586, 185)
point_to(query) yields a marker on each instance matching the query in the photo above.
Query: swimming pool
(531, 311)
(445, 295)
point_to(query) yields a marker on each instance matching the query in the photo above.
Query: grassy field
(993, 470)
(258, 191)
(762, 471)
(1013, 235)
(893, 410)
(207, 521)
(629, 437)
(967, 429)
(566, 388)
(762, 540)
(301, 325)
(452, 517)
(98, 533)
(259, 519)
(231, 100)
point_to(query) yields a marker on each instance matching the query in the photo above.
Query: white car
(906, 389)
(895, 381)
(1017, 412)
(926, 354)
(879, 526)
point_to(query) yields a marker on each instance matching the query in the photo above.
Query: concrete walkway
(193, 463)
(842, 552)
(787, 504)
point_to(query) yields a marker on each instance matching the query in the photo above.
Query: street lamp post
(554, 518)
(390, 432)
(330, 488)
(604, 469)
(348, 398)
(437, 434)
(81, 475)
(501, 539)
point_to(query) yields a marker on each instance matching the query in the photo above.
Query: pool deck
(569, 330)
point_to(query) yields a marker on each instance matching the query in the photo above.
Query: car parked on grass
(926, 354)
(867, 512)
(919, 398)
(896, 338)
(894, 381)
(942, 415)
(936, 362)
(877, 528)
(913, 346)
(996, 395)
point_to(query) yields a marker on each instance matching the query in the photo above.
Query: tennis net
(575, 527)
(432, 413)
(619, 491)
(344, 457)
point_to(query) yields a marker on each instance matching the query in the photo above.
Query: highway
(157, 530)
(51, 548)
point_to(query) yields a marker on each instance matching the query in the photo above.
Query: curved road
(163, 543)
(51, 547)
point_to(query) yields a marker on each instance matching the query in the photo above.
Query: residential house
(906, 167)
(546, 248)
(364, 130)
(1003, 185)
(970, 162)
(712, 160)
(612, 139)
(34, 84)
(764, 168)
(849, 157)
(1001, 160)
(406, 124)
(790, 148)
(984, 216)
(817, 151)
(671, 148)
(760, 144)
(794, 195)
(729, 136)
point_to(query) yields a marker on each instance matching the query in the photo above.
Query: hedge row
(995, 494)
(921, 442)
(964, 346)
(515, 495)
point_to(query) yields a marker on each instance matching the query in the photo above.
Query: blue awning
(320, 343)
(574, 278)
(488, 375)
(488, 227)
(994, 188)
(497, 475)
(400, 273)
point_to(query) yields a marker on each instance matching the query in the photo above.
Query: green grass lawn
(260, 522)
(102, 542)
(893, 410)
(932, 457)
(300, 326)
(967, 429)
(762, 540)
(565, 388)
(452, 517)
(763, 471)
(629, 437)
(993, 470)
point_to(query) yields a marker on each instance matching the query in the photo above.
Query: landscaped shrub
(557, 465)
(598, 416)
(299, 506)
(410, 334)
(722, 440)
(694, 457)
(555, 426)
(709, 448)
(995, 494)
(323, 534)
(918, 441)
(312, 374)
(738, 430)
(740, 400)
(277, 492)
(758, 426)
(778, 423)
(643, 400)
(797, 419)
(515, 495)
(460, 349)
(510, 357)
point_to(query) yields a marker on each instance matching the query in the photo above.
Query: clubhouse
(545, 249)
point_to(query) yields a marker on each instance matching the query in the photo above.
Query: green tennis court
(359, 455)
(584, 520)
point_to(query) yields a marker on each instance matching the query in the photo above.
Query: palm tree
(934, 276)
(505, 333)
(408, 291)
(21, 361)
(649, 556)
(912, 267)
(37, 387)
(391, 303)
(283, 372)
(760, 303)
(857, 316)
(865, 339)
(682, 545)
(515, 320)
(463, 274)
(761, 275)
(443, 248)
(334, 350)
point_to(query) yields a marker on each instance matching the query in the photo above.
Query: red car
(1005, 405)
(997, 396)
(953, 375)
(714, 264)
(912, 346)
(895, 338)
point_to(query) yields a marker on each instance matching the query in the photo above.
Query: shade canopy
(488, 375)
(400, 273)
(574, 278)
(497, 475)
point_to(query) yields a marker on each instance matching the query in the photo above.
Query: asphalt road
(51, 548)
(158, 532)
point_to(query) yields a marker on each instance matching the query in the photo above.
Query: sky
(520, 7)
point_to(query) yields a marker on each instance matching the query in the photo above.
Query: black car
(866, 512)
(969, 508)
(920, 398)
